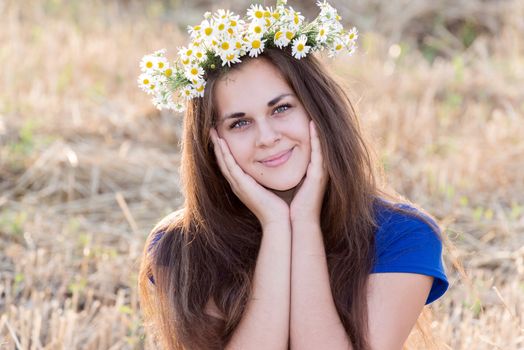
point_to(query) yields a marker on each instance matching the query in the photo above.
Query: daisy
(221, 26)
(352, 35)
(198, 89)
(194, 72)
(338, 45)
(293, 18)
(327, 12)
(255, 45)
(300, 49)
(222, 14)
(283, 37)
(322, 34)
(161, 64)
(198, 53)
(255, 12)
(256, 28)
(144, 80)
(186, 54)
(207, 30)
(168, 72)
(231, 57)
(187, 92)
(225, 46)
(351, 49)
(194, 32)
(148, 63)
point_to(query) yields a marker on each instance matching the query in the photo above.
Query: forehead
(250, 87)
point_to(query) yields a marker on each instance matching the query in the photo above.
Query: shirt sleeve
(408, 244)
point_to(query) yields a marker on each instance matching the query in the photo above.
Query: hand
(267, 206)
(307, 202)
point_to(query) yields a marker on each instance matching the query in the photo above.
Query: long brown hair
(208, 249)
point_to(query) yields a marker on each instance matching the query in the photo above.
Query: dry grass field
(88, 165)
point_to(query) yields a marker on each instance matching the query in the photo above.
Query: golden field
(88, 165)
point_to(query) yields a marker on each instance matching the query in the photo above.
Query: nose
(267, 134)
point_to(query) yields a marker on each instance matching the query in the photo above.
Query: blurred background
(88, 165)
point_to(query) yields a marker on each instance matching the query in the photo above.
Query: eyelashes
(242, 122)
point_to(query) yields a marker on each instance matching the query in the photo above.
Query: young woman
(285, 239)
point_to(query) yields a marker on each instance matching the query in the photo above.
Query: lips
(276, 156)
(277, 159)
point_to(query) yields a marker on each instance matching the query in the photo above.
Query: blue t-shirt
(403, 244)
(407, 244)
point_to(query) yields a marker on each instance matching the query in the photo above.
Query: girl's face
(264, 124)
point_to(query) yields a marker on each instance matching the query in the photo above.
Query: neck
(288, 195)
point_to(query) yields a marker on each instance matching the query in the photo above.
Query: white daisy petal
(299, 48)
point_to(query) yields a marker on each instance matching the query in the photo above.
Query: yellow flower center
(259, 14)
(197, 28)
(152, 86)
(189, 52)
(322, 31)
(185, 61)
(145, 81)
(194, 71)
(149, 64)
(267, 14)
(200, 88)
(289, 35)
(230, 56)
(187, 92)
(257, 29)
(160, 65)
(230, 31)
(238, 45)
(278, 35)
(232, 23)
(256, 44)
(351, 36)
(338, 47)
(268, 22)
(221, 26)
(208, 31)
(168, 72)
(276, 15)
(198, 54)
(296, 19)
(338, 18)
(300, 47)
(225, 45)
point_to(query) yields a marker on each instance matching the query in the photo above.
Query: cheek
(238, 150)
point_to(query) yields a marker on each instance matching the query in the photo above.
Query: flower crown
(223, 38)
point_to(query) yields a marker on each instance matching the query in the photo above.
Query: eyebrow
(269, 104)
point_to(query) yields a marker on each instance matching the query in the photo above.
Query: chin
(283, 185)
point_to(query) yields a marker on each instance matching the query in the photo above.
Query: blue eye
(238, 124)
(242, 122)
(287, 105)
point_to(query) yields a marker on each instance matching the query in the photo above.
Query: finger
(219, 155)
(316, 151)
(233, 168)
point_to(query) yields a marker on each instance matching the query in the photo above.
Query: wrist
(276, 224)
(305, 222)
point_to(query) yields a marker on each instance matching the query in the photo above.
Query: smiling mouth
(278, 159)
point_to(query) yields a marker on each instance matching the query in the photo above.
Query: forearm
(315, 323)
(265, 323)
